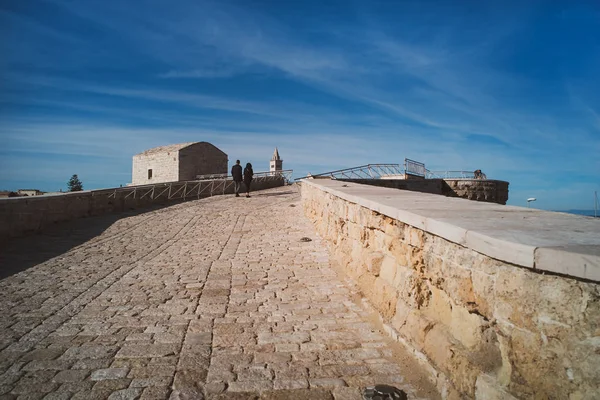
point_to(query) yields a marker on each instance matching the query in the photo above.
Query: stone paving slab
(217, 298)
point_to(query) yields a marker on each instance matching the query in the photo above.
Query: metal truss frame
(368, 171)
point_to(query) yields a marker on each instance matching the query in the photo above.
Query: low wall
(492, 191)
(488, 190)
(471, 304)
(433, 186)
(23, 215)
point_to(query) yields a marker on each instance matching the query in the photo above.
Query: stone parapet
(22, 215)
(466, 286)
(433, 186)
(490, 191)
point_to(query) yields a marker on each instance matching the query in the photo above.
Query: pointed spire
(275, 155)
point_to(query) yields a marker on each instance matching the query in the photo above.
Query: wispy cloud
(456, 88)
(214, 72)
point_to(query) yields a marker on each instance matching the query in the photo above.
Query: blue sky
(511, 88)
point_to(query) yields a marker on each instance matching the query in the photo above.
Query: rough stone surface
(488, 326)
(178, 162)
(488, 190)
(22, 215)
(109, 373)
(213, 298)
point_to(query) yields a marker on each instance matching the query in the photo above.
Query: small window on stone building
(149, 174)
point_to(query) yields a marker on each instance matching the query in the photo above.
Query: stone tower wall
(276, 165)
(491, 191)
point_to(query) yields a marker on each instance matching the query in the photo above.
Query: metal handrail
(379, 171)
(453, 175)
(185, 189)
(415, 168)
(287, 173)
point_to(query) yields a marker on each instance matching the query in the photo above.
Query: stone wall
(164, 166)
(23, 215)
(181, 162)
(433, 186)
(486, 328)
(201, 159)
(488, 190)
(492, 191)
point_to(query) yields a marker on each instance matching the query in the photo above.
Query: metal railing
(397, 171)
(413, 167)
(454, 175)
(187, 189)
(369, 171)
(211, 176)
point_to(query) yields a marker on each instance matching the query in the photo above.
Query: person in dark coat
(236, 174)
(248, 174)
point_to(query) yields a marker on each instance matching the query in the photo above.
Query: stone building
(29, 192)
(177, 162)
(276, 162)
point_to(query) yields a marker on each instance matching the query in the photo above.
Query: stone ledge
(541, 240)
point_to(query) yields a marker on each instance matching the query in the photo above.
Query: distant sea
(589, 213)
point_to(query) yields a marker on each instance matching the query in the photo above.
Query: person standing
(236, 174)
(248, 174)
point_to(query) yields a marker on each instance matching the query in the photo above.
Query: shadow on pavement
(20, 253)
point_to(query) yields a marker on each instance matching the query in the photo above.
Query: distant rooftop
(167, 149)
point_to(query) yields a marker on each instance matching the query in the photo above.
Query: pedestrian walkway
(220, 298)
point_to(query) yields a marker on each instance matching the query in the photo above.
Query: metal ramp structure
(410, 168)
(207, 186)
(376, 171)
(369, 171)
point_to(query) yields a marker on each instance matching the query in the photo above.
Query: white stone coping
(542, 240)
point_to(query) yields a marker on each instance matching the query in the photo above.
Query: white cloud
(425, 99)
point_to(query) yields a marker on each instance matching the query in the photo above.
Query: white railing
(218, 184)
(455, 175)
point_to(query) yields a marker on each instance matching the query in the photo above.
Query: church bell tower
(276, 162)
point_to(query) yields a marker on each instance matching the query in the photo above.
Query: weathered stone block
(467, 312)
(109, 373)
(486, 388)
(374, 260)
(388, 269)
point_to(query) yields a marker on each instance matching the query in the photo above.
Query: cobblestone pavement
(215, 298)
